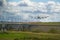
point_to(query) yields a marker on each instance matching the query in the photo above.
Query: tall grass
(29, 36)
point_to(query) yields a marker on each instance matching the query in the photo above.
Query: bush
(37, 31)
(4, 33)
(52, 30)
(16, 39)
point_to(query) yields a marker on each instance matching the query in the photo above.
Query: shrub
(16, 39)
(37, 31)
(52, 30)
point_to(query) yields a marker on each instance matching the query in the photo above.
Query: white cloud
(51, 2)
(30, 12)
(13, 3)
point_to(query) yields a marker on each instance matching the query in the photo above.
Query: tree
(3, 28)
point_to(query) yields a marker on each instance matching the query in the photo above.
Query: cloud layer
(28, 11)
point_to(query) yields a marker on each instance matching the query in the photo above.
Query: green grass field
(16, 35)
(28, 36)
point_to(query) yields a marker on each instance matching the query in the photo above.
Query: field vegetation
(35, 34)
(15, 35)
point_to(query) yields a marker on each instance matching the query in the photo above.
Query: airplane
(39, 17)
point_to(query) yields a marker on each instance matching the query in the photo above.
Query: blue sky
(45, 0)
(14, 0)
(35, 0)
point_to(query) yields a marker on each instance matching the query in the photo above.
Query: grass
(45, 23)
(29, 36)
